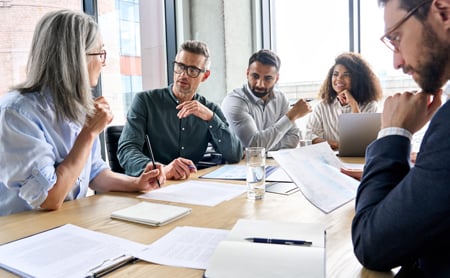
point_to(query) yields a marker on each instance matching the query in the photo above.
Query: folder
(152, 214)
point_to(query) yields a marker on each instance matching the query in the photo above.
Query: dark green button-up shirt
(154, 113)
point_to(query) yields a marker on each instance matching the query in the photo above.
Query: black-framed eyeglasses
(102, 55)
(392, 42)
(191, 71)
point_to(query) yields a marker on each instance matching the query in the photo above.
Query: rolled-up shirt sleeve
(33, 143)
(28, 160)
(34, 189)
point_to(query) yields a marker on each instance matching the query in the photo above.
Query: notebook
(237, 256)
(152, 214)
(356, 132)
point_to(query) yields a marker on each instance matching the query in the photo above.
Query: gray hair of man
(197, 47)
(58, 64)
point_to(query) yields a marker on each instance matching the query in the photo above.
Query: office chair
(112, 135)
(210, 158)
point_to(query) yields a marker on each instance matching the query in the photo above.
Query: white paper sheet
(66, 251)
(239, 172)
(353, 166)
(316, 171)
(190, 247)
(197, 193)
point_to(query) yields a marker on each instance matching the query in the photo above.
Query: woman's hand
(345, 97)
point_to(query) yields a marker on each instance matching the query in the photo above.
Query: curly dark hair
(365, 84)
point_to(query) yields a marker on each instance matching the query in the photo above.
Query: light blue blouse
(32, 144)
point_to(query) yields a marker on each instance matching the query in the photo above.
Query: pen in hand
(151, 156)
(305, 99)
(279, 241)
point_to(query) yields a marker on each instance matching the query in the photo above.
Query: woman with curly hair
(350, 87)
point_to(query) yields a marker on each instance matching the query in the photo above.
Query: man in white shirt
(258, 113)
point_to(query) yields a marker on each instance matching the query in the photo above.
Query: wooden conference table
(94, 213)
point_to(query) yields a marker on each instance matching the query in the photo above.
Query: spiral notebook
(152, 214)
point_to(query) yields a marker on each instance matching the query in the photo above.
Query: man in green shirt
(179, 122)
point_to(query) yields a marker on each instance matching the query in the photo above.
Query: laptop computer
(356, 132)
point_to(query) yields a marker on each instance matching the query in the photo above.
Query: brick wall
(19, 18)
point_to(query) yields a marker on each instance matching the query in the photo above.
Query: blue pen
(279, 241)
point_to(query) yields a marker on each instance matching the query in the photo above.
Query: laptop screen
(356, 132)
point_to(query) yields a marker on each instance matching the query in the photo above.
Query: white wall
(227, 26)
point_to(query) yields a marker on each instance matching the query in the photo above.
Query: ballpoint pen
(305, 99)
(279, 241)
(151, 155)
(109, 266)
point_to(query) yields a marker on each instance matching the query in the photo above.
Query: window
(308, 37)
(129, 27)
(18, 22)
(379, 56)
(120, 25)
(125, 74)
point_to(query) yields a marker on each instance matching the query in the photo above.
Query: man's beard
(261, 94)
(432, 67)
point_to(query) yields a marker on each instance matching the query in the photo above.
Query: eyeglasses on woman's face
(191, 71)
(102, 55)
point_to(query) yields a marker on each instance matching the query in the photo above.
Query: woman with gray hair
(50, 123)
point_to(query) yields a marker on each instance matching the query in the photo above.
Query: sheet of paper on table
(196, 192)
(190, 247)
(316, 171)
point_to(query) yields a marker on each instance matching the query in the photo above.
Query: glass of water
(255, 158)
(305, 138)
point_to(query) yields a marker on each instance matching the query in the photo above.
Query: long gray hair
(57, 63)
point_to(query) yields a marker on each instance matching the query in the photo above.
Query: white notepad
(237, 257)
(151, 213)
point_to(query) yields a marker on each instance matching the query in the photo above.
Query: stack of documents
(66, 251)
(290, 250)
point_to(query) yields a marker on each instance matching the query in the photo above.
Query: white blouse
(323, 122)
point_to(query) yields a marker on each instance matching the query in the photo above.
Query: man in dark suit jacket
(402, 213)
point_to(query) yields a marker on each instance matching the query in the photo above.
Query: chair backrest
(112, 135)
